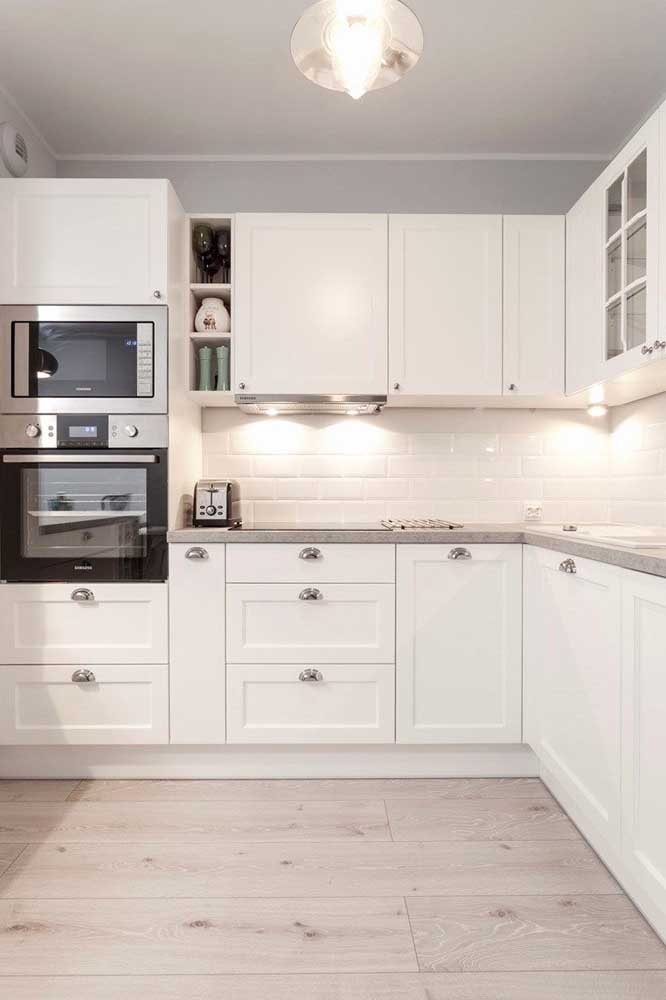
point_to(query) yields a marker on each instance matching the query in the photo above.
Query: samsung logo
(83, 388)
(83, 566)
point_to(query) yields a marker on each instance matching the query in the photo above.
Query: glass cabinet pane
(614, 268)
(614, 345)
(637, 185)
(636, 318)
(636, 252)
(614, 207)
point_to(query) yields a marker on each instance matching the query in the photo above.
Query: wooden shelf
(215, 290)
(209, 338)
(212, 398)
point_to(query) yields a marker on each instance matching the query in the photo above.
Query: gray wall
(494, 186)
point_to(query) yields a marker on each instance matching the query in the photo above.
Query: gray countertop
(642, 560)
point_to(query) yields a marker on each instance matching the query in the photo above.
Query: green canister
(205, 369)
(223, 382)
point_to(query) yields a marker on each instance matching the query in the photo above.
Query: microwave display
(82, 360)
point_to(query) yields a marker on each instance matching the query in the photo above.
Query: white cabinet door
(533, 305)
(83, 241)
(458, 656)
(197, 635)
(352, 703)
(310, 311)
(70, 623)
(100, 704)
(584, 292)
(445, 305)
(327, 623)
(644, 733)
(572, 676)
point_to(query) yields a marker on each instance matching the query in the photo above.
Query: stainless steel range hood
(282, 405)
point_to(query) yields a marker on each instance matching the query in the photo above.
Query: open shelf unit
(199, 290)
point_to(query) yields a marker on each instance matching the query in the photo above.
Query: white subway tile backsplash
(461, 465)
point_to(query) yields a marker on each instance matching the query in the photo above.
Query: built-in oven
(83, 359)
(88, 505)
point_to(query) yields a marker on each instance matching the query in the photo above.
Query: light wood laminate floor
(450, 889)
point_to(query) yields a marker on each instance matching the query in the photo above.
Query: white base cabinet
(572, 669)
(74, 623)
(328, 703)
(197, 636)
(458, 657)
(644, 734)
(101, 704)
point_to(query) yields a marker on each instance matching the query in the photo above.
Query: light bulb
(272, 412)
(597, 410)
(357, 38)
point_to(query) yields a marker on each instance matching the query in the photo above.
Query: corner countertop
(651, 561)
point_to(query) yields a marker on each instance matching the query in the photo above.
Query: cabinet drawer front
(44, 623)
(272, 623)
(347, 704)
(303, 563)
(117, 704)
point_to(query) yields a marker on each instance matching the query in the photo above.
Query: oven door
(73, 516)
(84, 359)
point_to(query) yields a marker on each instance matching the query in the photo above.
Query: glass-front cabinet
(630, 234)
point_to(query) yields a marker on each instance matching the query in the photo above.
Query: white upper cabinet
(84, 241)
(572, 682)
(458, 650)
(533, 305)
(445, 305)
(613, 268)
(310, 304)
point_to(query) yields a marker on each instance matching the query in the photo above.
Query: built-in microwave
(83, 359)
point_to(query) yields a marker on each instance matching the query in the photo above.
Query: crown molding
(323, 157)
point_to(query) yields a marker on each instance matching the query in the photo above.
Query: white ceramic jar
(212, 317)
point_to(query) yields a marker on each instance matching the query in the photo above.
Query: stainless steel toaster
(213, 504)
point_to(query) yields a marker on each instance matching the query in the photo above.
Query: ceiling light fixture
(357, 45)
(597, 410)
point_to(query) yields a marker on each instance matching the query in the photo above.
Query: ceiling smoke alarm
(13, 150)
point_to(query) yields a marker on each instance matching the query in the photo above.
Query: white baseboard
(512, 761)
(610, 856)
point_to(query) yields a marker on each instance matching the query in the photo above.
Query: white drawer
(44, 623)
(123, 704)
(348, 704)
(274, 623)
(264, 563)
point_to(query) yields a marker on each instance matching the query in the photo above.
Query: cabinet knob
(396, 386)
(82, 594)
(310, 552)
(512, 387)
(460, 553)
(568, 566)
(83, 677)
(311, 594)
(646, 350)
(197, 553)
(659, 345)
(310, 674)
(157, 294)
(241, 385)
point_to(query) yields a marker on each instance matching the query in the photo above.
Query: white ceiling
(197, 77)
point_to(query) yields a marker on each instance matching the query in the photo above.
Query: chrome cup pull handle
(460, 553)
(83, 677)
(310, 674)
(82, 594)
(310, 594)
(196, 552)
(310, 552)
(568, 566)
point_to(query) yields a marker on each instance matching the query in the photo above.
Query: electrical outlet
(532, 512)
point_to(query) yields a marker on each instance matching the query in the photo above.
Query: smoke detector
(13, 150)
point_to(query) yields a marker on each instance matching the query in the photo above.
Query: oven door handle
(62, 457)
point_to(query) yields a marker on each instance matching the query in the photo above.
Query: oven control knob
(210, 511)
(33, 430)
(131, 430)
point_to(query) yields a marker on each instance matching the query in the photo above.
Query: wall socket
(532, 512)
